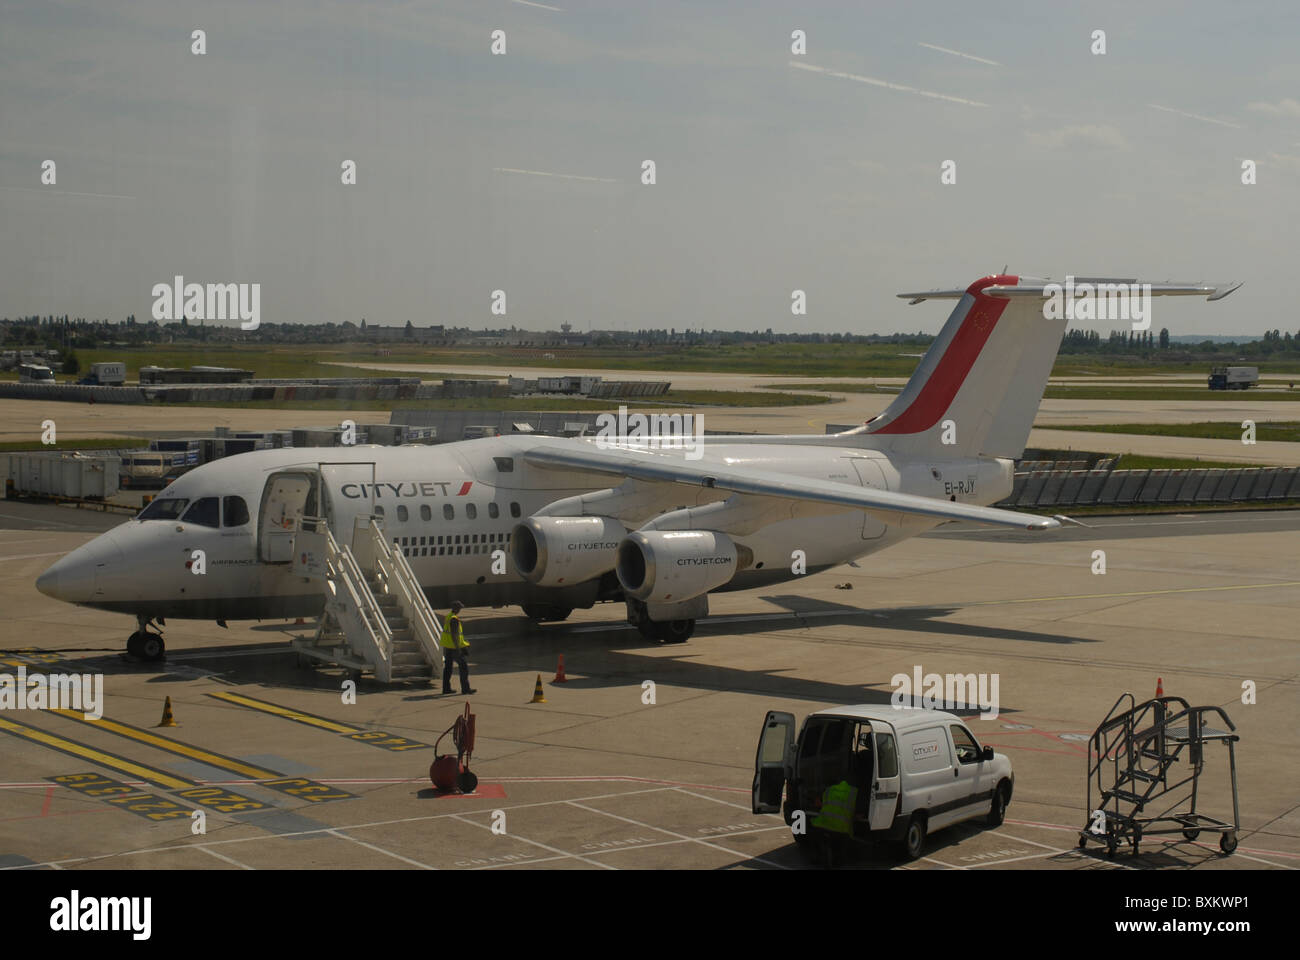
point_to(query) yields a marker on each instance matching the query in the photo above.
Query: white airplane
(585, 520)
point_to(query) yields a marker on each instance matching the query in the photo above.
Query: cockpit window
(203, 512)
(168, 509)
(235, 510)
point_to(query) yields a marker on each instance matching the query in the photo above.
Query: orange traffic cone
(299, 622)
(1160, 687)
(559, 672)
(538, 696)
(167, 719)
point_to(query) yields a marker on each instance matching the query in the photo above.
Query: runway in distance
(552, 524)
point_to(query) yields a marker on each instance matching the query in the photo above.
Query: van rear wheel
(914, 837)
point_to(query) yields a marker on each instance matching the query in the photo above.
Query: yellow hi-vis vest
(837, 808)
(453, 634)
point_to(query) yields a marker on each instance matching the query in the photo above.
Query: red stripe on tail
(956, 363)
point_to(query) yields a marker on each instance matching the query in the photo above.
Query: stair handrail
(397, 574)
(378, 637)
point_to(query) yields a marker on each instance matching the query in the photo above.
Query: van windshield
(168, 509)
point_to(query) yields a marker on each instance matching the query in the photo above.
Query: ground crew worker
(836, 817)
(837, 808)
(455, 650)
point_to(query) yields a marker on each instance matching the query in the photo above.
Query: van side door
(775, 753)
(884, 789)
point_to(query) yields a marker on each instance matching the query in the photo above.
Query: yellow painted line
(220, 761)
(297, 715)
(101, 757)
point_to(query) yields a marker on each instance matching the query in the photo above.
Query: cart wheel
(1228, 842)
(466, 782)
(1191, 834)
(1083, 841)
(1111, 847)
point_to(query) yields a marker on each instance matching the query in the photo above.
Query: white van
(915, 770)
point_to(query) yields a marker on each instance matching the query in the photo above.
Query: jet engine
(555, 551)
(668, 566)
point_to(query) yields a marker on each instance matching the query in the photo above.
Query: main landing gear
(658, 631)
(146, 644)
(545, 613)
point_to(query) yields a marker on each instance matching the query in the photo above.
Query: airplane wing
(661, 467)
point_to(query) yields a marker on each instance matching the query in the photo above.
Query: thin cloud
(562, 176)
(901, 87)
(1080, 137)
(958, 53)
(71, 193)
(530, 3)
(1194, 116)
(1286, 107)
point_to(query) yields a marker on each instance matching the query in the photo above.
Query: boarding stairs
(376, 617)
(1145, 762)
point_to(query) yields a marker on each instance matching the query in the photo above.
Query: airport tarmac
(288, 775)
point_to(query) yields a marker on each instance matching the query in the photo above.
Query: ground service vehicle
(35, 373)
(110, 373)
(914, 770)
(1233, 378)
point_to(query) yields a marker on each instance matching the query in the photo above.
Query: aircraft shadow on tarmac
(603, 655)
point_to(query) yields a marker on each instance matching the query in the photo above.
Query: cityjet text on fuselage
(406, 488)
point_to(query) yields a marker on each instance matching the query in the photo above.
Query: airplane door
(870, 475)
(286, 499)
(349, 492)
(775, 746)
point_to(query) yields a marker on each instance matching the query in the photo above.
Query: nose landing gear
(146, 644)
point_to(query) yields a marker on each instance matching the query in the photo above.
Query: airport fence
(1077, 488)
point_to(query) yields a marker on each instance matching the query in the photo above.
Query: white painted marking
(337, 832)
(538, 843)
(673, 833)
(221, 856)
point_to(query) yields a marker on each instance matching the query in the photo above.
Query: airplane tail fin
(977, 389)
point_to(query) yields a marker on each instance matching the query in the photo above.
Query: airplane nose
(72, 578)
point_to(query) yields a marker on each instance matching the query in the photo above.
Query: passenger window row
(449, 512)
(465, 544)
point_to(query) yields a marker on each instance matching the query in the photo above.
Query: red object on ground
(442, 773)
(559, 672)
(1160, 688)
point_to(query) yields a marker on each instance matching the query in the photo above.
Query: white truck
(913, 771)
(109, 373)
(1233, 378)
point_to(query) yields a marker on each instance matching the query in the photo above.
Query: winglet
(1222, 291)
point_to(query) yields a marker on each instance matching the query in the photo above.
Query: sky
(775, 170)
